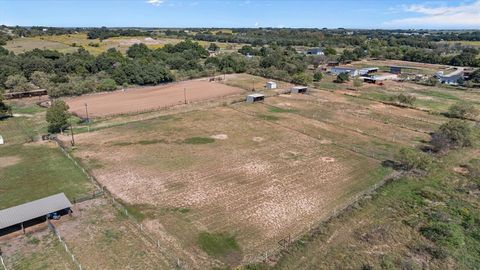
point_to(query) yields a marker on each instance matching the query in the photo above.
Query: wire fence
(62, 242)
(2, 263)
(177, 263)
(272, 254)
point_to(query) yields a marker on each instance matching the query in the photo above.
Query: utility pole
(71, 132)
(253, 85)
(185, 95)
(86, 113)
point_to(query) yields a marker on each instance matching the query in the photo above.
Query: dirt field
(254, 180)
(148, 98)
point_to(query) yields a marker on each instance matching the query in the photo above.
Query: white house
(271, 85)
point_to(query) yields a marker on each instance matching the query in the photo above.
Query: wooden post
(23, 228)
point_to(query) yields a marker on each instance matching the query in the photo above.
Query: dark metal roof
(34, 209)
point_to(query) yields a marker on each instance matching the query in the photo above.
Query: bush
(453, 134)
(342, 77)
(357, 82)
(413, 159)
(318, 76)
(463, 110)
(107, 85)
(404, 99)
(5, 110)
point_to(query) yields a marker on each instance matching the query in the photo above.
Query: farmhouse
(299, 90)
(349, 70)
(271, 85)
(255, 97)
(314, 51)
(14, 218)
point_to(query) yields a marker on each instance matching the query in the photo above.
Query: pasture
(254, 173)
(71, 43)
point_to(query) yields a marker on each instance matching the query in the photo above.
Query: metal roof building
(255, 97)
(32, 210)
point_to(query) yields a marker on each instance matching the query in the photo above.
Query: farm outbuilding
(348, 70)
(1, 140)
(14, 218)
(271, 85)
(255, 97)
(299, 90)
(314, 51)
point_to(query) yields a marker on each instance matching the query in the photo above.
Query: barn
(35, 212)
(255, 97)
(299, 90)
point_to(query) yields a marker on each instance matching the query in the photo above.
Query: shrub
(318, 76)
(342, 77)
(199, 140)
(414, 159)
(444, 234)
(405, 99)
(453, 134)
(463, 110)
(357, 82)
(302, 78)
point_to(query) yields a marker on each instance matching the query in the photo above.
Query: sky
(386, 14)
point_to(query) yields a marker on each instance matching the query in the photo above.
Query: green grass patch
(31, 109)
(438, 94)
(268, 117)
(217, 244)
(36, 171)
(281, 110)
(199, 140)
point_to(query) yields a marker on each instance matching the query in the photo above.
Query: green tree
(318, 76)
(57, 116)
(463, 110)
(413, 159)
(42, 79)
(213, 47)
(5, 110)
(302, 79)
(18, 83)
(342, 77)
(405, 99)
(107, 85)
(453, 134)
(329, 51)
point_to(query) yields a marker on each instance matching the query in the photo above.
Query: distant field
(71, 43)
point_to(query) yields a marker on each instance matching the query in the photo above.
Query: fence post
(3, 263)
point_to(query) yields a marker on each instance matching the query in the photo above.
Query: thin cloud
(155, 2)
(466, 15)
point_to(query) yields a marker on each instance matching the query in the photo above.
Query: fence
(2, 263)
(95, 194)
(272, 254)
(57, 234)
(102, 190)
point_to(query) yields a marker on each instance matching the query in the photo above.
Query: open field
(28, 170)
(148, 98)
(71, 43)
(256, 172)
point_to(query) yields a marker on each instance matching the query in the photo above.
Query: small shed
(271, 85)
(1, 140)
(299, 90)
(255, 97)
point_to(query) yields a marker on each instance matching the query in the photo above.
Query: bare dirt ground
(148, 98)
(257, 181)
